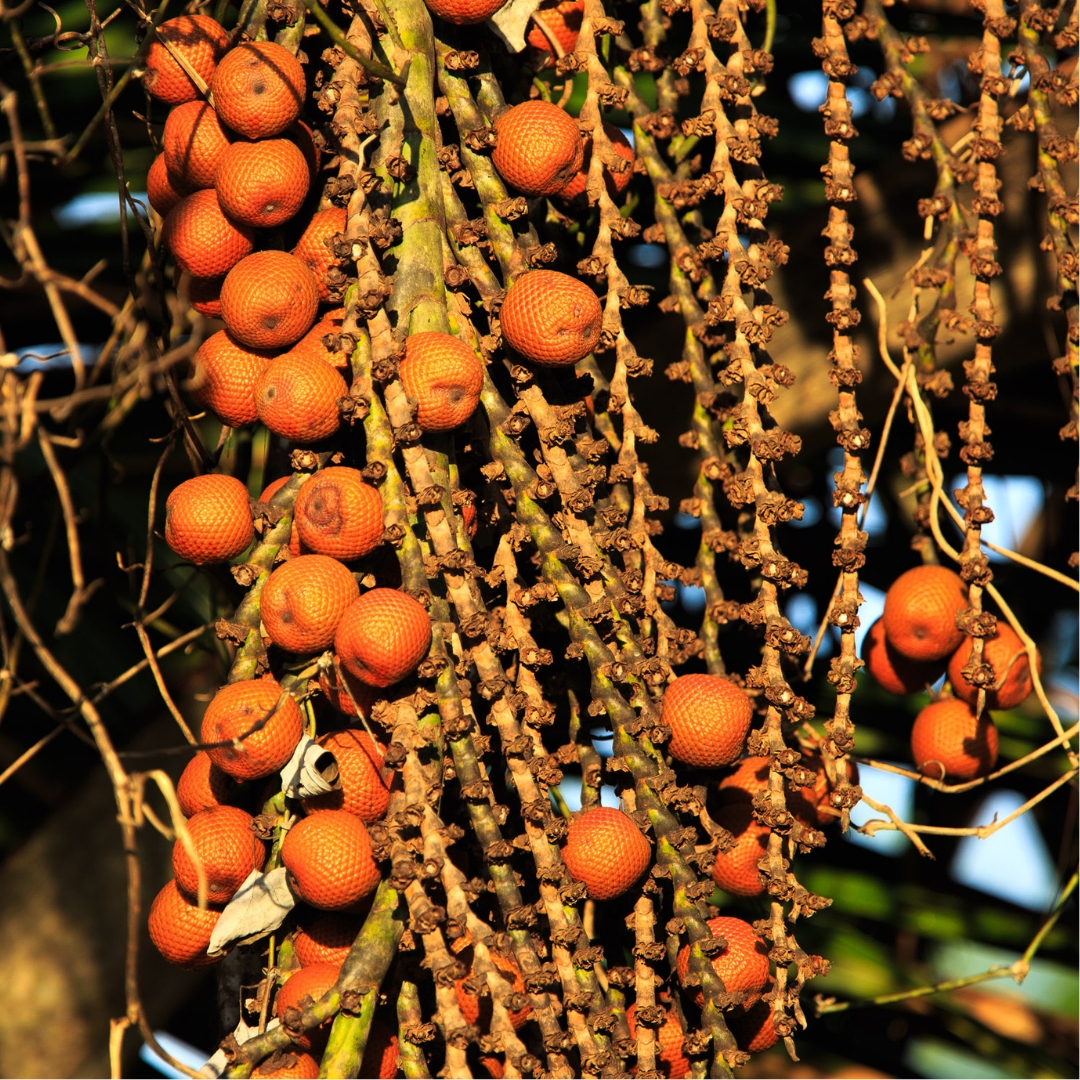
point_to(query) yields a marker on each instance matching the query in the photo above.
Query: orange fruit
(743, 965)
(203, 241)
(327, 939)
(551, 318)
(381, 1053)
(1012, 671)
(304, 138)
(312, 347)
(617, 182)
(669, 1043)
(538, 148)
(236, 709)
(464, 12)
(313, 247)
(753, 1027)
(383, 636)
(162, 189)
(208, 519)
(180, 930)
(259, 89)
(363, 695)
(709, 717)
(303, 601)
(444, 376)
(892, 670)
(303, 988)
(297, 398)
(223, 378)
(948, 742)
(194, 142)
(365, 781)
(606, 851)
(204, 295)
(269, 300)
(563, 20)
(287, 1065)
(477, 1009)
(202, 786)
(920, 613)
(262, 183)
(200, 40)
(328, 856)
(338, 514)
(736, 871)
(229, 851)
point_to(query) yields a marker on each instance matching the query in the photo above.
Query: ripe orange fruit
(606, 851)
(303, 601)
(736, 871)
(304, 138)
(753, 1027)
(297, 398)
(328, 856)
(312, 346)
(162, 189)
(477, 1009)
(383, 636)
(443, 375)
(223, 378)
(743, 965)
(303, 988)
(563, 20)
(313, 247)
(203, 241)
(669, 1042)
(892, 670)
(464, 12)
(181, 931)
(259, 89)
(262, 183)
(617, 182)
(709, 717)
(287, 1065)
(194, 142)
(381, 1053)
(949, 742)
(269, 300)
(538, 148)
(920, 613)
(208, 519)
(338, 514)
(202, 786)
(327, 939)
(204, 295)
(1006, 654)
(234, 710)
(551, 318)
(200, 40)
(229, 851)
(365, 781)
(363, 695)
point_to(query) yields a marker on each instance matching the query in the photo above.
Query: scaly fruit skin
(753, 1027)
(181, 931)
(329, 860)
(383, 636)
(949, 743)
(736, 871)
(208, 519)
(617, 182)
(162, 189)
(203, 786)
(607, 851)
(287, 1065)
(381, 1053)
(464, 12)
(229, 851)
(669, 1043)
(338, 514)
(563, 20)
(743, 965)
(365, 781)
(234, 710)
(478, 1009)
(347, 694)
(201, 40)
(263, 183)
(443, 375)
(297, 398)
(223, 378)
(194, 143)
(309, 982)
(204, 295)
(259, 89)
(303, 601)
(709, 717)
(327, 939)
(551, 318)
(312, 346)
(538, 148)
(203, 241)
(920, 613)
(1012, 670)
(312, 247)
(893, 671)
(269, 300)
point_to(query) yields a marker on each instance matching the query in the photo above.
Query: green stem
(372, 67)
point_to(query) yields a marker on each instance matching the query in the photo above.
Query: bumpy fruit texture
(563, 21)
(538, 148)
(443, 375)
(736, 870)
(381, 1053)
(742, 966)
(312, 346)
(314, 250)
(238, 708)
(303, 601)
(329, 859)
(365, 782)
(223, 378)
(259, 89)
(753, 1027)
(229, 851)
(949, 743)
(346, 693)
(269, 300)
(208, 519)
(203, 786)
(607, 851)
(194, 143)
(920, 613)
(204, 295)
(297, 398)
(287, 1065)
(709, 717)
(893, 671)
(617, 182)
(200, 40)
(551, 318)
(264, 183)
(307, 983)
(203, 241)
(338, 514)
(383, 636)
(464, 12)
(1005, 652)
(478, 1009)
(180, 930)
(327, 939)
(163, 191)
(669, 1043)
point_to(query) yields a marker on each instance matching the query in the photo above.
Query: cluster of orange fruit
(915, 642)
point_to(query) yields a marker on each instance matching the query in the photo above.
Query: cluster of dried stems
(565, 495)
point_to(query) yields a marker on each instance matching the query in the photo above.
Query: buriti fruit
(562, 20)
(259, 89)
(607, 851)
(948, 742)
(326, 939)
(208, 519)
(477, 1008)
(202, 786)
(329, 860)
(223, 378)
(1005, 652)
(303, 601)
(200, 40)
(314, 246)
(920, 613)
(709, 717)
(538, 148)
(444, 377)
(203, 241)
(365, 782)
(383, 636)
(743, 965)
(180, 929)
(228, 849)
(269, 300)
(301, 990)
(298, 398)
(193, 143)
(669, 1042)
(262, 183)
(551, 318)
(338, 514)
(892, 670)
(464, 12)
(736, 870)
(616, 182)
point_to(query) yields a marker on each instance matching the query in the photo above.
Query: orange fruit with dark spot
(383, 636)
(269, 300)
(200, 40)
(229, 851)
(477, 1009)
(365, 781)
(669, 1042)
(208, 519)
(327, 939)
(204, 295)
(237, 710)
(348, 693)
(736, 870)
(617, 182)
(287, 1064)
(194, 143)
(203, 786)
(162, 189)
(381, 1053)
(297, 398)
(301, 990)
(329, 860)
(551, 318)
(180, 930)
(313, 346)
(948, 742)
(259, 89)
(223, 378)
(313, 247)
(742, 966)
(892, 670)
(538, 148)
(444, 376)
(464, 12)
(303, 601)
(709, 717)
(920, 613)
(262, 183)
(606, 851)
(338, 514)
(1004, 652)
(203, 241)
(753, 1027)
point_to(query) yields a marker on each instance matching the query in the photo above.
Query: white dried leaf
(312, 770)
(259, 906)
(511, 21)
(217, 1064)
